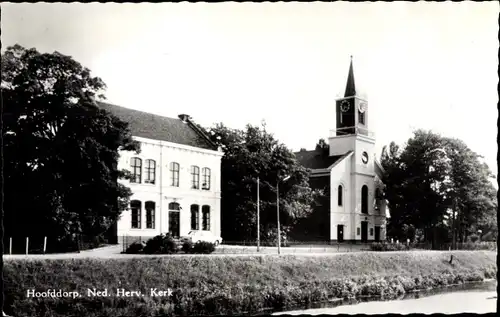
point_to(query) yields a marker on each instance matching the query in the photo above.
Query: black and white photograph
(285, 158)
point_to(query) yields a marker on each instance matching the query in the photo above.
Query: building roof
(316, 159)
(152, 126)
(350, 88)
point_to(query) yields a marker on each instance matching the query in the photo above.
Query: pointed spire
(350, 88)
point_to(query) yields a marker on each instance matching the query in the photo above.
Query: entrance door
(364, 231)
(377, 233)
(340, 233)
(174, 223)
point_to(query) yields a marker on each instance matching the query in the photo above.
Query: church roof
(317, 159)
(350, 88)
(147, 125)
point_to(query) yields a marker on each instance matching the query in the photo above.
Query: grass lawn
(204, 285)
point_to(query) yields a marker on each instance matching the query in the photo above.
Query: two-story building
(175, 179)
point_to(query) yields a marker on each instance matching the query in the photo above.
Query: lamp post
(278, 210)
(258, 214)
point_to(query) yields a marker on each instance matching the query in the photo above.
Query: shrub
(203, 247)
(219, 285)
(384, 246)
(270, 237)
(478, 246)
(473, 238)
(187, 246)
(374, 287)
(135, 248)
(161, 244)
(490, 236)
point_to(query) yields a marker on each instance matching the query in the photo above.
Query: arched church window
(340, 195)
(364, 199)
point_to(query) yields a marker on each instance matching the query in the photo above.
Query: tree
(435, 183)
(250, 154)
(473, 194)
(61, 149)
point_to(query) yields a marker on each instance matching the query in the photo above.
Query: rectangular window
(206, 218)
(358, 231)
(371, 231)
(136, 166)
(150, 215)
(361, 116)
(174, 174)
(135, 210)
(206, 179)
(195, 174)
(195, 217)
(150, 172)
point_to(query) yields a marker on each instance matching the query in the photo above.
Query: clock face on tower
(364, 157)
(362, 107)
(344, 106)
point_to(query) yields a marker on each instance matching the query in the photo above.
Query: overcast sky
(422, 65)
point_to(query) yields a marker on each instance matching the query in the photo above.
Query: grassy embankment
(231, 285)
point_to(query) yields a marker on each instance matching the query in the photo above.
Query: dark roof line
(316, 159)
(180, 130)
(198, 129)
(340, 159)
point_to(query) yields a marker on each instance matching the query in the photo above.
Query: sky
(420, 65)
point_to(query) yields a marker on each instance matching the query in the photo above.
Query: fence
(298, 247)
(250, 247)
(49, 244)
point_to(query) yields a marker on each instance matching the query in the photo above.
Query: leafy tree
(433, 183)
(250, 154)
(61, 150)
(472, 194)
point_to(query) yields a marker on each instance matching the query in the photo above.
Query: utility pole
(278, 209)
(258, 215)
(278, 214)
(453, 230)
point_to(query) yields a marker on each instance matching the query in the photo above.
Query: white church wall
(162, 193)
(340, 215)
(340, 145)
(364, 144)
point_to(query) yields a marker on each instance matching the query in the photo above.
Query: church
(346, 168)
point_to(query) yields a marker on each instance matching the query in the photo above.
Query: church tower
(351, 138)
(352, 114)
(350, 172)
(352, 120)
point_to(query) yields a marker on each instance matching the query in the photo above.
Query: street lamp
(278, 209)
(258, 214)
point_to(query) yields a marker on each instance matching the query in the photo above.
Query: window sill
(143, 229)
(144, 184)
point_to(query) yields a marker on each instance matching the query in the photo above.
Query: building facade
(346, 168)
(175, 179)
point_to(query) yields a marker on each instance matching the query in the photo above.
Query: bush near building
(384, 246)
(161, 244)
(478, 245)
(219, 285)
(166, 244)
